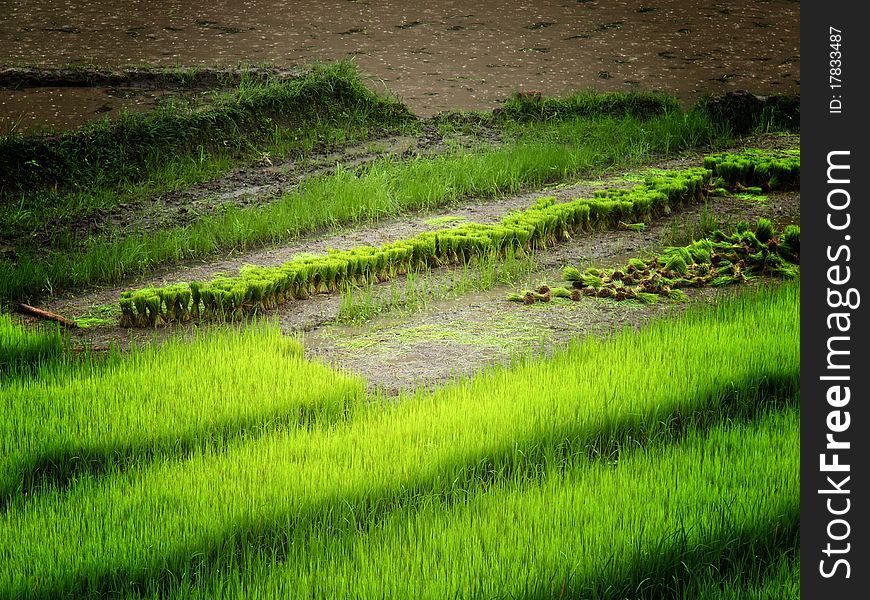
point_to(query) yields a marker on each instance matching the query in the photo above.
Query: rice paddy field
(293, 340)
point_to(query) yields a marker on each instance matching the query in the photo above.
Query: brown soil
(401, 350)
(445, 56)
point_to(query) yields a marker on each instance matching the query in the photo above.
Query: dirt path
(441, 56)
(401, 350)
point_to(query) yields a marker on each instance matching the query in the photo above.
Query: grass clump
(531, 106)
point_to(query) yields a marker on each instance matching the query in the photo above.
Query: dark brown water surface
(437, 55)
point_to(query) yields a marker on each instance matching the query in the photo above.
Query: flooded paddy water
(443, 55)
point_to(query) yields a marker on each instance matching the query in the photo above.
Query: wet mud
(446, 55)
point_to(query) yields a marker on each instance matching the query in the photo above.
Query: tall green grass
(142, 529)
(88, 417)
(542, 153)
(661, 522)
(22, 350)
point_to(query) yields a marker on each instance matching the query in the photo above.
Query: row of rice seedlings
(171, 518)
(161, 401)
(765, 169)
(666, 521)
(259, 288)
(23, 350)
(721, 260)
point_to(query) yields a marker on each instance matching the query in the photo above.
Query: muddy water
(442, 54)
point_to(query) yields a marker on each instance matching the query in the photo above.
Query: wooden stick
(44, 314)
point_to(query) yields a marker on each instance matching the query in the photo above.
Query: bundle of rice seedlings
(254, 295)
(195, 299)
(140, 301)
(581, 215)
(128, 310)
(572, 274)
(790, 243)
(560, 292)
(592, 281)
(514, 297)
(676, 263)
(678, 295)
(152, 302)
(646, 297)
(764, 230)
(637, 227)
(700, 251)
(723, 280)
(636, 264)
(182, 305)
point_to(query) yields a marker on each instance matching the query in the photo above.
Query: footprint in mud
(613, 25)
(64, 29)
(218, 27)
(540, 25)
(352, 31)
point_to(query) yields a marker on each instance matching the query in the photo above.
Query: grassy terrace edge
(259, 288)
(134, 145)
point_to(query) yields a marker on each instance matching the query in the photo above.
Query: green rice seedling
(700, 251)
(677, 294)
(515, 297)
(724, 280)
(128, 310)
(790, 244)
(195, 299)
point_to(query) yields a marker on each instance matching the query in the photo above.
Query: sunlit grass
(207, 508)
(93, 417)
